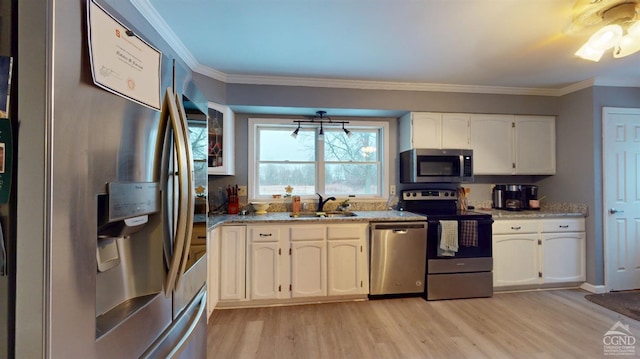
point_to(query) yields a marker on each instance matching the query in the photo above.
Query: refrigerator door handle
(183, 187)
(190, 190)
(192, 327)
(170, 345)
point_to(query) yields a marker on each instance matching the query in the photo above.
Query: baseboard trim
(593, 288)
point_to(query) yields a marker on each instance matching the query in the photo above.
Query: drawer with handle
(515, 226)
(562, 225)
(264, 234)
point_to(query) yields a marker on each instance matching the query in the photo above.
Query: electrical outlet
(242, 191)
(392, 190)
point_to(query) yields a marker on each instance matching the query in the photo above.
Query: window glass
(335, 164)
(274, 177)
(360, 146)
(276, 144)
(346, 179)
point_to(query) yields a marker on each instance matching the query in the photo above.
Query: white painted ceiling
(524, 44)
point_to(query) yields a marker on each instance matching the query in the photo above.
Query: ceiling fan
(615, 17)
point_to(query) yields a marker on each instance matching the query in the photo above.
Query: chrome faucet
(321, 203)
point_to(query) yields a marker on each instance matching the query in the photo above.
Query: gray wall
(214, 90)
(574, 181)
(298, 96)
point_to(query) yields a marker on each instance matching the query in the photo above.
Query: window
(334, 164)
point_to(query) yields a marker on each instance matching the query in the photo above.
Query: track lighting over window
(321, 119)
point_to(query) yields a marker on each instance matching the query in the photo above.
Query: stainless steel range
(459, 251)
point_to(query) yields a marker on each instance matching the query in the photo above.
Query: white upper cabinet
(221, 133)
(535, 145)
(420, 130)
(456, 130)
(434, 130)
(492, 144)
(513, 145)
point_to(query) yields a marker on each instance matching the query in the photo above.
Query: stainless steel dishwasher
(398, 258)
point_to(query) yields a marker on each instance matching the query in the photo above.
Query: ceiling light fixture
(321, 119)
(619, 16)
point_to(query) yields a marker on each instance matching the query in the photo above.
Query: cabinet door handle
(516, 228)
(564, 226)
(265, 234)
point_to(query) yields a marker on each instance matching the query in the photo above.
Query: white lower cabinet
(232, 263)
(263, 263)
(534, 252)
(213, 270)
(298, 261)
(347, 262)
(308, 268)
(564, 257)
(515, 259)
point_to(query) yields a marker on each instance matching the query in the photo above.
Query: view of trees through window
(198, 137)
(337, 165)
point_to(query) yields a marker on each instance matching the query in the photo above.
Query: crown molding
(385, 85)
(149, 12)
(210, 72)
(576, 87)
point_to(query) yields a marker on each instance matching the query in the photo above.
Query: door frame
(606, 112)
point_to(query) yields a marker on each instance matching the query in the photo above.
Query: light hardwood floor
(537, 324)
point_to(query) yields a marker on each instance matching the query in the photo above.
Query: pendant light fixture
(322, 120)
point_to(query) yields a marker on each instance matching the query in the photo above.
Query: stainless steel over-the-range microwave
(435, 165)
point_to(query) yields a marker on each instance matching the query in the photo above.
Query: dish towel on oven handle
(469, 233)
(448, 238)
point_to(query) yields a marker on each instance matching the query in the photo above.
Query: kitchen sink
(327, 214)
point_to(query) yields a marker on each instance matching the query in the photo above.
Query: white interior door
(621, 192)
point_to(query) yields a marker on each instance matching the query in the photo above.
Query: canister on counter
(295, 205)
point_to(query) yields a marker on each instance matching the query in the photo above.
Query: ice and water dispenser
(129, 253)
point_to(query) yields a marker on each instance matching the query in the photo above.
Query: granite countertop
(539, 214)
(279, 217)
(383, 216)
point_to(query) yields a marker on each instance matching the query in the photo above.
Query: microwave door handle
(189, 190)
(180, 228)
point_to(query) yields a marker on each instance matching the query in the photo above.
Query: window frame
(381, 126)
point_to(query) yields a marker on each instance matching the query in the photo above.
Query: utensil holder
(233, 207)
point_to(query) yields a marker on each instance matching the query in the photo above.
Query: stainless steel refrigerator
(104, 199)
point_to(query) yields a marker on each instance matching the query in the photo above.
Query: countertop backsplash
(310, 206)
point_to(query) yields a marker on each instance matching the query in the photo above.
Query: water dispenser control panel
(132, 199)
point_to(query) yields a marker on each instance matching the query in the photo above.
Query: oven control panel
(429, 194)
